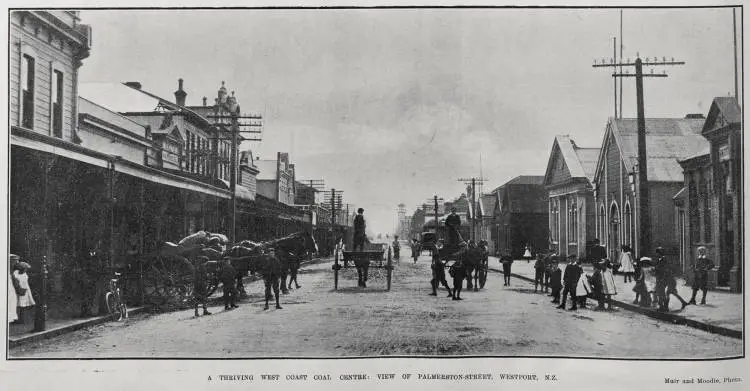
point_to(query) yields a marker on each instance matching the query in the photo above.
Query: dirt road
(317, 321)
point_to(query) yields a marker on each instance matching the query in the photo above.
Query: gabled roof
(725, 107)
(526, 180)
(581, 162)
(667, 141)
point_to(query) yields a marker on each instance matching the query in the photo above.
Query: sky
(396, 105)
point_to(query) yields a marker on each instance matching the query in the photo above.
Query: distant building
(572, 221)
(616, 181)
(522, 215)
(276, 179)
(709, 206)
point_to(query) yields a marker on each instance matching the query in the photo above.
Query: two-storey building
(709, 207)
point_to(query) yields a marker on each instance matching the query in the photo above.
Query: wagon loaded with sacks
(169, 271)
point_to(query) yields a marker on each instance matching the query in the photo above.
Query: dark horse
(273, 260)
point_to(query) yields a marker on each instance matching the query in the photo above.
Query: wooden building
(570, 170)
(616, 181)
(523, 215)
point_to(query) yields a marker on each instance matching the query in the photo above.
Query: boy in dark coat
(458, 272)
(228, 277)
(539, 271)
(570, 281)
(556, 281)
(200, 285)
(438, 276)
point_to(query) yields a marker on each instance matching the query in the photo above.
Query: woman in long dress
(626, 263)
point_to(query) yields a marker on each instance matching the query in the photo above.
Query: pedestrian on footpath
(25, 299)
(608, 283)
(228, 277)
(507, 260)
(700, 274)
(539, 267)
(596, 286)
(672, 289)
(642, 296)
(660, 272)
(626, 263)
(570, 281)
(13, 259)
(556, 280)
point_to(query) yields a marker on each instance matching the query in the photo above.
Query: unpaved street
(317, 321)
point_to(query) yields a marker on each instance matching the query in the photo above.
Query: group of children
(574, 282)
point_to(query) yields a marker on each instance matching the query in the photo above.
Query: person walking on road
(359, 230)
(507, 261)
(700, 274)
(438, 276)
(570, 280)
(539, 267)
(228, 278)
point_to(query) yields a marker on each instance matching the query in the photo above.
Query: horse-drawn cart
(376, 255)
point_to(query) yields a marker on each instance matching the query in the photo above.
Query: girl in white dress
(626, 263)
(26, 300)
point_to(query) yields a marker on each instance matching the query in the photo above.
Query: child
(642, 296)
(25, 300)
(626, 263)
(596, 283)
(556, 282)
(583, 288)
(539, 272)
(608, 283)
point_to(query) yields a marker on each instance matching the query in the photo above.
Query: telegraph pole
(473, 183)
(643, 201)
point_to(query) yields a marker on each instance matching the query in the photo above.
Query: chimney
(133, 84)
(180, 94)
(204, 101)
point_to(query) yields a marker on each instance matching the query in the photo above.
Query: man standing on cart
(359, 230)
(452, 222)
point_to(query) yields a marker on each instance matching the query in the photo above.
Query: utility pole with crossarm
(644, 246)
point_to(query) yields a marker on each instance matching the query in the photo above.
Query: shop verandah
(63, 203)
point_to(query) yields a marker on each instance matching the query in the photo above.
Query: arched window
(573, 221)
(628, 225)
(602, 225)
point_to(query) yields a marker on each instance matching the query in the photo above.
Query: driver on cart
(452, 222)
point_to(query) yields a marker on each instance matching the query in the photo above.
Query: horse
(476, 260)
(291, 250)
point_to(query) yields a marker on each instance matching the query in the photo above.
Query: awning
(58, 147)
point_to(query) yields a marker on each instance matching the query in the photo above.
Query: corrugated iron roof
(667, 141)
(587, 157)
(526, 180)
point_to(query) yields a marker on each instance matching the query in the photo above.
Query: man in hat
(598, 252)
(359, 230)
(661, 272)
(570, 281)
(228, 279)
(700, 277)
(452, 222)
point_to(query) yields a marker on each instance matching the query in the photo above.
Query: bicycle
(115, 305)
